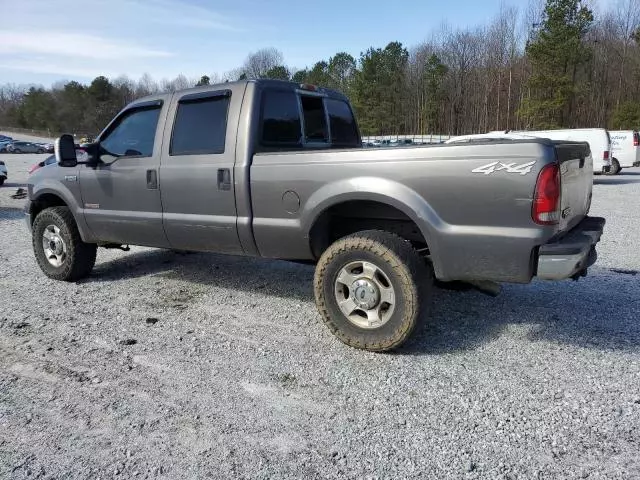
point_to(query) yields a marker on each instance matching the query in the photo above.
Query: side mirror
(65, 151)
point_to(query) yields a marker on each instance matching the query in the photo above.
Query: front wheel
(16, 150)
(40, 150)
(371, 289)
(58, 247)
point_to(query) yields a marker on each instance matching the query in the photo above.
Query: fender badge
(71, 178)
(91, 205)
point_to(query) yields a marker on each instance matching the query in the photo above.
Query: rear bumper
(573, 254)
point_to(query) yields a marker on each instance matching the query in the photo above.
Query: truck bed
(476, 221)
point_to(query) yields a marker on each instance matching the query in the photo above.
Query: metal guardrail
(29, 131)
(394, 139)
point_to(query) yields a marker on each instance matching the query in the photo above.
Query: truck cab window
(201, 127)
(280, 118)
(133, 134)
(343, 124)
(315, 122)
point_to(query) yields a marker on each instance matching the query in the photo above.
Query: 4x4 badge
(492, 167)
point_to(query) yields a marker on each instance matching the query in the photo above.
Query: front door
(121, 195)
(196, 172)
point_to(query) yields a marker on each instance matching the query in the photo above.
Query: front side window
(134, 133)
(201, 127)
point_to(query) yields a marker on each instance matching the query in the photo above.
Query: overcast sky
(43, 41)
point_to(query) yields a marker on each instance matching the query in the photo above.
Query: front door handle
(152, 179)
(224, 179)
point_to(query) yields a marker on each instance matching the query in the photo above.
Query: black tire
(1, 181)
(615, 167)
(407, 273)
(40, 150)
(80, 256)
(16, 150)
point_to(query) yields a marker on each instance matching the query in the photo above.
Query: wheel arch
(384, 200)
(46, 196)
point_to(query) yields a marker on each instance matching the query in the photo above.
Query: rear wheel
(2, 179)
(615, 167)
(17, 150)
(58, 248)
(371, 289)
(40, 150)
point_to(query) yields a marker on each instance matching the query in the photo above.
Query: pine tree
(556, 56)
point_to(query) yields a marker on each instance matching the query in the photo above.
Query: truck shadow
(11, 213)
(623, 178)
(615, 181)
(593, 313)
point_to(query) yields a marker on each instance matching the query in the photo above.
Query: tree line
(553, 64)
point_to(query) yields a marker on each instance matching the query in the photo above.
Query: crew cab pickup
(276, 169)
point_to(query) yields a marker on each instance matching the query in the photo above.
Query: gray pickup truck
(277, 170)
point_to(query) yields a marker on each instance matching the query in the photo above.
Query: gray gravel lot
(183, 366)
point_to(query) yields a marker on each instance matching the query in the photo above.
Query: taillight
(606, 155)
(546, 200)
(636, 139)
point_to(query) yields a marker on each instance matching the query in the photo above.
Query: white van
(597, 138)
(625, 150)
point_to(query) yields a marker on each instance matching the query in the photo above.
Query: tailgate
(576, 170)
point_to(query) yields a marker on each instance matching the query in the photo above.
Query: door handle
(224, 179)
(152, 179)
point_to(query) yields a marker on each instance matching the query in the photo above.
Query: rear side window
(133, 134)
(342, 122)
(315, 121)
(280, 118)
(200, 127)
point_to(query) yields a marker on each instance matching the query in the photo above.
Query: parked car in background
(48, 161)
(48, 146)
(4, 145)
(5, 138)
(598, 139)
(51, 159)
(625, 150)
(4, 174)
(25, 147)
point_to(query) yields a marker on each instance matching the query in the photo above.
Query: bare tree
(259, 63)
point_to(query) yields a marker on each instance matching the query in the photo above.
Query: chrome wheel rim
(365, 294)
(55, 249)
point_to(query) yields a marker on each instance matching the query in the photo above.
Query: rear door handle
(224, 179)
(152, 179)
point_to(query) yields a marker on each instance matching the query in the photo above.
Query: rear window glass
(280, 118)
(342, 122)
(200, 127)
(315, 121)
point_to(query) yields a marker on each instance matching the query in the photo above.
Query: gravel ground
(163, 365)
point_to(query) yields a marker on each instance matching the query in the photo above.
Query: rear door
(196, 173)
